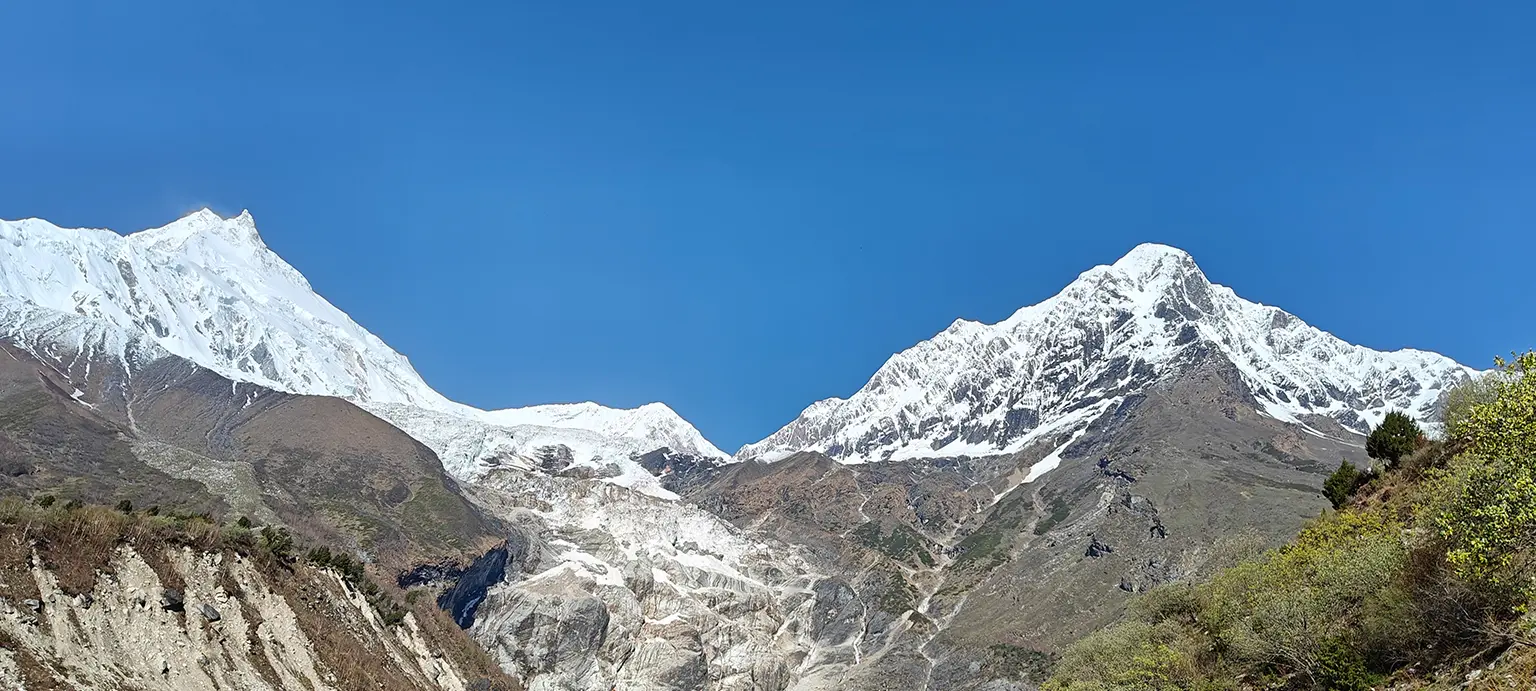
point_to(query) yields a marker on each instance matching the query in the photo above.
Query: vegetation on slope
(1425, 577)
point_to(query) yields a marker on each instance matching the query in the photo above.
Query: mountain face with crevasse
(990, 495)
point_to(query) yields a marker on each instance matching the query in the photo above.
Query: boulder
(172, 600)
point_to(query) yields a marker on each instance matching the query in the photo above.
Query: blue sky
(739, 209)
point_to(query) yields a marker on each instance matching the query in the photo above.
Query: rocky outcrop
(229, 625)
(617, 589)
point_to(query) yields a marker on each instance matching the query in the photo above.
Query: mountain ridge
(208, 289)
(1120, 326)
(221, 298)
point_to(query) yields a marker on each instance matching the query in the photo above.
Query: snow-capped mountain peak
(237, 232)
(208, 289)
(985, 389)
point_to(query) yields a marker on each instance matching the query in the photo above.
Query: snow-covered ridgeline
(208, 289)
(981, 389)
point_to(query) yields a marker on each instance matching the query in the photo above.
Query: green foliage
(1461, 399)
(1135, 656)
(277, 542)
(240, 539)
(1019, 663)
(1343, 482)
(46, 500)
(125, 506)
(1501, 423)
(1485, 502)
(901, 544)
(1486, 513)
(1397, 436)
(1341, 667)
(1279, 610)
(243, 522)
(319, 556)
(1321, 608)
(982, 548)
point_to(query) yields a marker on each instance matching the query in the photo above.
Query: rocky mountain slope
(1025, 479)
(173, 434)
(96, 598)
(208, 289)
(986, 389)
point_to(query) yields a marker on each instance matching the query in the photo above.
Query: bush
(1397, 436)
(278, 543)
(1486, 513)
(1343, 483)
(243, 522)
(1484, 504)
(125, 506)
(1461, 399)
(1134, 655)
(319, 556)
(1501, 423)
(1340, 667)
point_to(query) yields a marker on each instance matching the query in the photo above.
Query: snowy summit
(987, 389)
(207, 288)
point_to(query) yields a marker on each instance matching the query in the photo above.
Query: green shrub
(1484, 504)
(125, 506)
(1340, 667)
(1397, 436)
(1501, 423)
(1461, 399)
(319, 556)
(1134, 656)
(277, 542)
(1485, 510)
(1343, 482)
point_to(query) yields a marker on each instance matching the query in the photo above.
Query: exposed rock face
(247, 633)
(470, 586)
(619, 589)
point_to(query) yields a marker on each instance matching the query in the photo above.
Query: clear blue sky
(739, 208)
